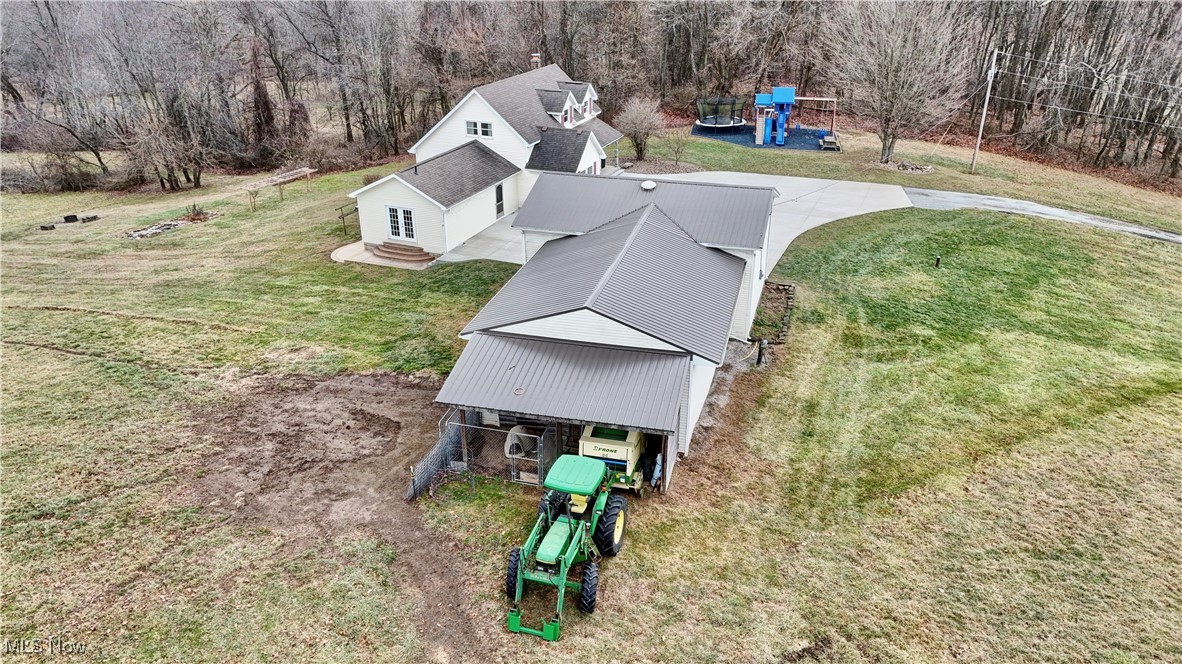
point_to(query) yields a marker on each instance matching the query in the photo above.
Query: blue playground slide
(780, 101)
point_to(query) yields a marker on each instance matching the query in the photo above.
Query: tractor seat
(578, 504)
(554, 543)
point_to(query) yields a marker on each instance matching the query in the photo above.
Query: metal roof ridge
(677, 224)
(619, 257)
(617, 218)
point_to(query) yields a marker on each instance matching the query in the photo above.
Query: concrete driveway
(498, 242)
(804, 203)
(933, 199)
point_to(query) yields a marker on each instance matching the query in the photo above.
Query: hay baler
(579, 520)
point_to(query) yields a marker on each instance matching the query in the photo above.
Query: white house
(478, 163)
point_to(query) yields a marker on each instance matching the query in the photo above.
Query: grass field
(109, 345)
(980, 462)
(997, 175)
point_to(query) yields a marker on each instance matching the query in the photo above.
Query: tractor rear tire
(609, 532)
(511, 574)
(589, 588)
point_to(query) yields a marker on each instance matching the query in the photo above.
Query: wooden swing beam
(252, 189)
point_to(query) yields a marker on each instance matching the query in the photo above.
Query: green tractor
(579, 520)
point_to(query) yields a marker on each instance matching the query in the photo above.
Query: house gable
(452, 131)
(584, 325)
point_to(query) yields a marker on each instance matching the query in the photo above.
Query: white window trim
(471, 128)
(481, 127)
(414, 220)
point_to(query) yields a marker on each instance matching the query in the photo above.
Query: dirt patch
(902, 167)
(662, 167)
(719, 464)
(314, 458)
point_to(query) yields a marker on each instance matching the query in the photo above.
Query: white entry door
(400, 224)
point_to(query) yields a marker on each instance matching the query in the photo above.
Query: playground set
(772, 121)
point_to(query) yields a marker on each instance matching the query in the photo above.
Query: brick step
(402, 252)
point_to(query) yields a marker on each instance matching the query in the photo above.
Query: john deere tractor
(579, 520)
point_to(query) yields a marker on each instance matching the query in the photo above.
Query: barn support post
(463, 438)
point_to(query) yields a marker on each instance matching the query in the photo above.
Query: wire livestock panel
(508, 449)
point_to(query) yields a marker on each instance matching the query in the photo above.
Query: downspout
(446, 248)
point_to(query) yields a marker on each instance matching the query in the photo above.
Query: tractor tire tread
(589, 588)
(511, 573)
(605, 530)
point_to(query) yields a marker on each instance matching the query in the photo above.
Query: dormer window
(566, 116)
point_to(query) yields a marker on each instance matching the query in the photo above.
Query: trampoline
(720, 115)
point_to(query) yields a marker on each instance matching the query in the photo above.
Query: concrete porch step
(402, 252)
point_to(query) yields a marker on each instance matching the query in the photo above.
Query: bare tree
(900, 63)
(639, 121)
(676, 138)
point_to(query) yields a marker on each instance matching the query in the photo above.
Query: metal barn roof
(642, 270)
(625, 388)
(450, 177)
(714, 214)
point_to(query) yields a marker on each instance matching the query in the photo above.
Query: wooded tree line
(182, 87)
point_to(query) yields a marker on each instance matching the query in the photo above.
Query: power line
(1086, 87)
(1090, 69)
(1075, 110)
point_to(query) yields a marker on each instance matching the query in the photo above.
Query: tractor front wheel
(511, 574)
(589, 588)
(609, 532)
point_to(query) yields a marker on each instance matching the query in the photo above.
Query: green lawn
(997, 175)
(980, 462)
(108, 345)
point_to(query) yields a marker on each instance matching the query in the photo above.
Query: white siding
(749, 293)
(451, 132)
(701, 377)
(477, 212)
(587, 326)
(371, 211)
(683, 429)
(591, 155)
(525, 182)
(533, 240)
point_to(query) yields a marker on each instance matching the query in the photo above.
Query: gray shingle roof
(450, 177)
(641, 270)
(604, 133)
(577, 88)
(553, 100)
(517, 100)
(714, 214)
(559, 150)
(626, 388)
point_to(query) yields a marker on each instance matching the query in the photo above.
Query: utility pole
(984, 110)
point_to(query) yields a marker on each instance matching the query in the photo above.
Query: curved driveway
(805, 203)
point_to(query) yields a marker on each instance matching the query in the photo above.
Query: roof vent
(648, 185)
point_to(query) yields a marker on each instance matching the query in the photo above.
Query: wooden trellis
(252, 189)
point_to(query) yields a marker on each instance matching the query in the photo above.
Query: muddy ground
(313, 458)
